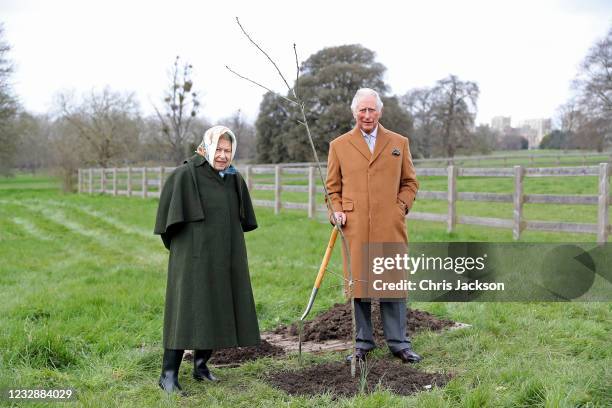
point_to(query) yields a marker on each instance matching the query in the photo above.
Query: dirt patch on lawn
(329, 331)
(240, 355)
(335, 378)
(336, 324)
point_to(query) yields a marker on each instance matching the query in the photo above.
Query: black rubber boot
(168, 381)
(200, 370)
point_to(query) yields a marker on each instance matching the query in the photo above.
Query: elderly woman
(204, 209)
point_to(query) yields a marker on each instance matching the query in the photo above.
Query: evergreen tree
(327, 83)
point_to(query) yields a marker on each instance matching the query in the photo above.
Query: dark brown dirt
(240, 355)
(336, 324)
(335, 378)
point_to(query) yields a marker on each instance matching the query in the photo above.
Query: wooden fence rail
(557, 158)
(148, 181)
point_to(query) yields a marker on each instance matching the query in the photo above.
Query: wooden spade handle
(328, 253)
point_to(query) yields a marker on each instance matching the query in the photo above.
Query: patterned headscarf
(211, 139)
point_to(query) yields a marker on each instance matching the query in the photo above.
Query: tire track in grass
(32, 256)
(146, 256)
(139, 253)
(96, 235)
(16, 222)
(114, 222)
(70, 248)
(49, 231)
(58, 227)
(30, 229)
(59, 217)
(8, 231)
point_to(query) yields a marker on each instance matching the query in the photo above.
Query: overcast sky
(522, 54)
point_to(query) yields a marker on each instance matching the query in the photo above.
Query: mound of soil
(240, 355)
(335, 378)
(336, 324)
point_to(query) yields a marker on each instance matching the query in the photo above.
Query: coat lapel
(382, 138)
(359, 143)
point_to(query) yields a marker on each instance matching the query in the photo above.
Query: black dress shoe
(360, 354)
(200, 369)
(168, 381)
(407, 356)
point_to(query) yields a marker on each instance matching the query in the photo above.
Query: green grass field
(82, 283)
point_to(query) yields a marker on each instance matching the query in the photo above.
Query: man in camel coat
(372, 184)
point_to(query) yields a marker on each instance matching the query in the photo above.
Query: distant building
(501, 123)
(534, 130)
(531, 135)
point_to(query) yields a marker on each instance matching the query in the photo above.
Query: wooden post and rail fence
(529, 159)
(147, 182)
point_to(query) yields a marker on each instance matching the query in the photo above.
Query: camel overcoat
(375, 191)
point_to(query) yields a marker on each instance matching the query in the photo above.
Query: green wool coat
(202, 218)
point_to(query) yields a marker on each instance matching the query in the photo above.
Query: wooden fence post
(603, 217)
(452, 199)
(103, 179)
(145, 183)
(518, 199)
(79, 181)
(312, 192)
(249, 178)
(114, 181)
(90, 180)
(277, 189)
(161, 179)
(129, 181)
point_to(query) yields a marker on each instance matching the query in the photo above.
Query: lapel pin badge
(395, 152)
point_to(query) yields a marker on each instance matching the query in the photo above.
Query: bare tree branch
(264, 53)
(261, 86)
(180, 106)
(297, 72)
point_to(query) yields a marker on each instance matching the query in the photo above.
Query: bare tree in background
(8, 109)
(32, 138)
(593, 127)
(107, 124)
(180, 108)
(198, 126)
(455, 110)
(568, 116)
(245, 134)
(593, 132)
(444, 118)
(594, 80)
(420, 104)
(66, 150)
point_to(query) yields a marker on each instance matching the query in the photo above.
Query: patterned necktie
(370, 140)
